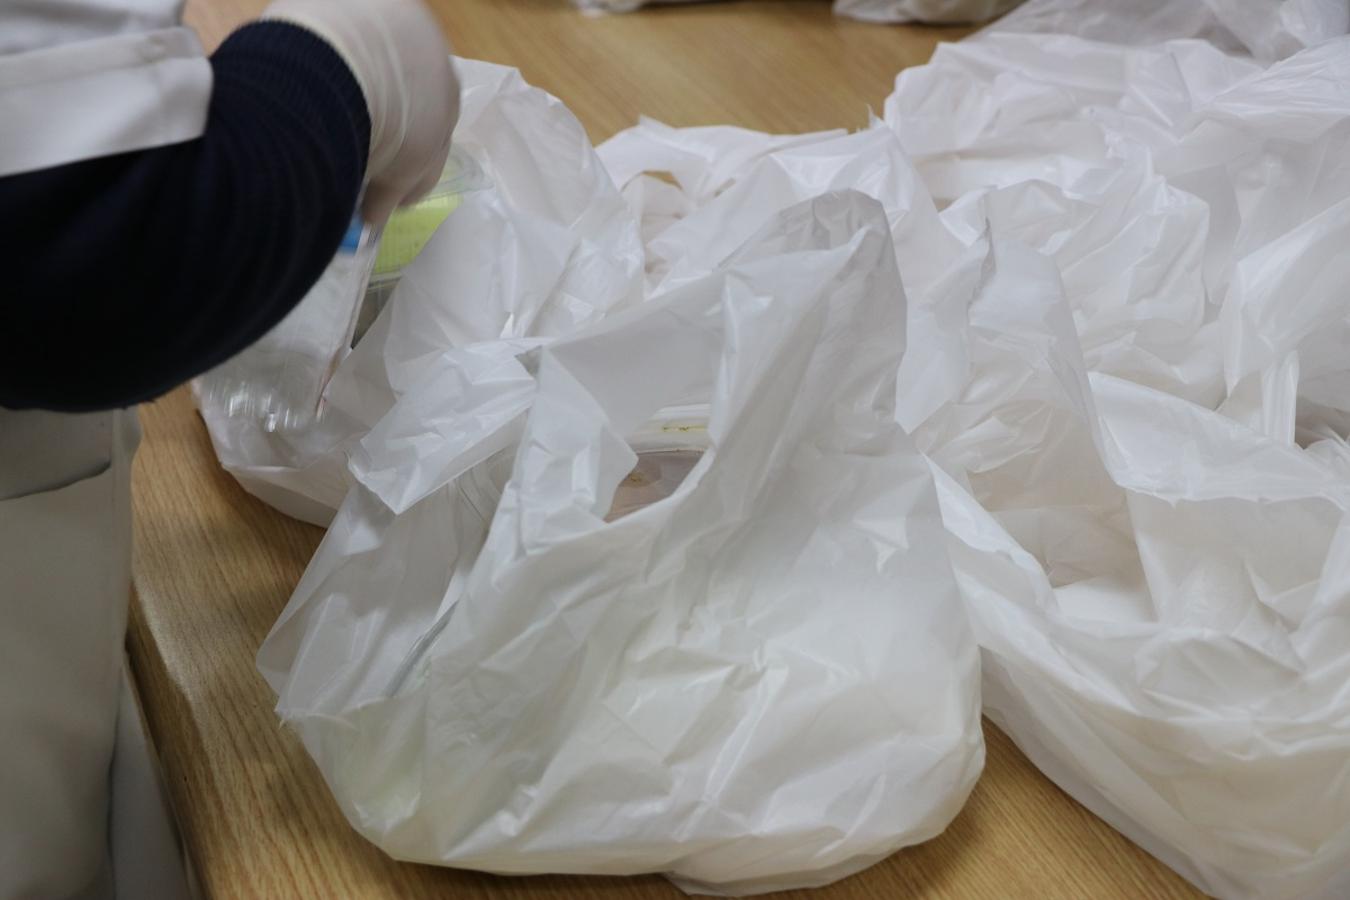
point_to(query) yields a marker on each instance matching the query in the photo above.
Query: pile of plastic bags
(681, 482)
(893, 11)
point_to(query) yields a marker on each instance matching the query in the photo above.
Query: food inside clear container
(408, 231)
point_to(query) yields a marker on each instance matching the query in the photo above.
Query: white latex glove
(402, 62)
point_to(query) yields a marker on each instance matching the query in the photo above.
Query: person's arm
(126, 275)
(131, 273)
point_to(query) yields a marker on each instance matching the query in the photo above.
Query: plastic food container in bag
(667, 449)
(539, 243)
(410, 228)
(280, 380)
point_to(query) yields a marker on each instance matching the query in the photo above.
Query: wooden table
(214, 567)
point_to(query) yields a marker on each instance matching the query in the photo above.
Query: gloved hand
(396, 51)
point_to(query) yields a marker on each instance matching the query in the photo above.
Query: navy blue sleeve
(123, 276)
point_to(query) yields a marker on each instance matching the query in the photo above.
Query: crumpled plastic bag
(1128, 325)
(668, 595)
(935, 12)
(545, 249)
(725, 195)
(1152, 561)
(1265, 29)
(888, 11)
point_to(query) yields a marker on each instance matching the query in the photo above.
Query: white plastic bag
(503, 659)
(1265, 29)
(543, 246)
(1187, 683)
(936, 12)
(728, 181)
(891, 11)
(1154, 567)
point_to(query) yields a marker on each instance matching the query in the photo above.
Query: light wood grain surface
(214, 566)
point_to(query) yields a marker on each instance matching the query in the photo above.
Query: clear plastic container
(280, 380)
(408, 232)
(668, 448)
